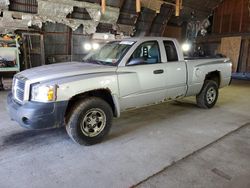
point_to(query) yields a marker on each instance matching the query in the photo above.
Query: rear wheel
(89, 121)
(208, 96)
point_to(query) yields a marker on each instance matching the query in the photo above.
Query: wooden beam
(138, 6)
(177, 7)
(103, 6)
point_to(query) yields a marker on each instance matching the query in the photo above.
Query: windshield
(109, 54)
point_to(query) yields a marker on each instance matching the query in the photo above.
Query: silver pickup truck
(121, 75)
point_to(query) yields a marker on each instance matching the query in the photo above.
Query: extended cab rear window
(171, 51)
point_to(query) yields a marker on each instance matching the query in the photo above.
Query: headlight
(43, 93)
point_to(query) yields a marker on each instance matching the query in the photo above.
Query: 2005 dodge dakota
(121, 75)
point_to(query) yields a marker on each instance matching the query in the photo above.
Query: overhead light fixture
(95, 46)
(186, 47)
(91, 46)
(87, 46)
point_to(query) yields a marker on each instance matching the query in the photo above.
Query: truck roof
(148, 38)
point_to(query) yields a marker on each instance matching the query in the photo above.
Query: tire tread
(200, 98)
(75, 112)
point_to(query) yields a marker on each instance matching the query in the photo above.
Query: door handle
(160, 71)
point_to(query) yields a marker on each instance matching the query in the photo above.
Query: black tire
(203, 100)
(77, 125)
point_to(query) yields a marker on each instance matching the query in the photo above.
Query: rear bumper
(36, 115)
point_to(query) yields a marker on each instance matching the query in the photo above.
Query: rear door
(176, 74)
(142, 80)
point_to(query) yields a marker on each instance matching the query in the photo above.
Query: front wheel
(89, 121)
(208, 96)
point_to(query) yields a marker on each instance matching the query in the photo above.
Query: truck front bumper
(36, 115)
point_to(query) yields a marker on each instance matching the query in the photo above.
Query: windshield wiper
(93, 61)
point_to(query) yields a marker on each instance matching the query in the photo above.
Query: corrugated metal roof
(147, 21)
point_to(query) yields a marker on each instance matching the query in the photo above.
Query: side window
(171, 51)
(146, 53)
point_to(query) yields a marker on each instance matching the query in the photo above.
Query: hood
(62, 70)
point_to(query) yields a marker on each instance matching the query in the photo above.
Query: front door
(143, 80)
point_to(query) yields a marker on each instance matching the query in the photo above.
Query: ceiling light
(186, 47)
(87, 46)
(95, 46)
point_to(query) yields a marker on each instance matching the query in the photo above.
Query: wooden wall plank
(232, 16)
(246, 17)
(216, 22)
(236, 16)
(221, 9)
(225, 23)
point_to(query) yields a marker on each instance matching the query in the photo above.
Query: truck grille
(18, 89)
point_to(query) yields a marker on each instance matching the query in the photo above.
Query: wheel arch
(104, 94)
(215, 76)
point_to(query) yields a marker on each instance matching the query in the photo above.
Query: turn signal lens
(51, 94)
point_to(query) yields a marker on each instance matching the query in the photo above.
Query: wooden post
(138, 6)
(177, 7)
(103, 6)
(181, 3)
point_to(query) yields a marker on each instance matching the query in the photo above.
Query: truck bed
(197, 70)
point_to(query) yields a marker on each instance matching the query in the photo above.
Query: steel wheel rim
(211, 95)
(93, 123)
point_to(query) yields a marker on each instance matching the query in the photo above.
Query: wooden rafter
(177, 7)
(138, 6)
(103, 6)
